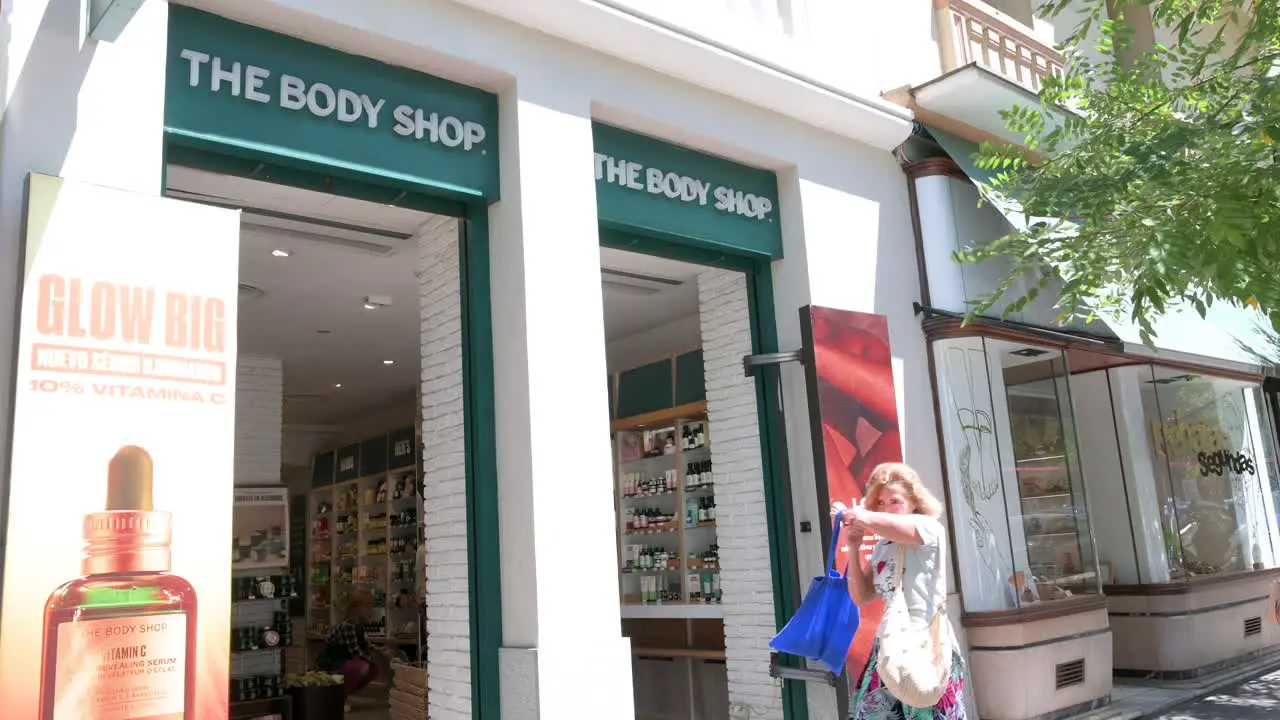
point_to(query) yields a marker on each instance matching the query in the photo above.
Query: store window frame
(1091, 594)
(484, 559)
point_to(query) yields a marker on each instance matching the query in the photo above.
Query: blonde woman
(898, 510)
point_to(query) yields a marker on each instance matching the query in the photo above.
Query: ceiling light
(370, 306)
(281, 253)
(376, 301)
(337, 385)
(388, 362)
(324, 332)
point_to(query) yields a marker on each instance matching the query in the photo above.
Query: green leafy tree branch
(1149, 172)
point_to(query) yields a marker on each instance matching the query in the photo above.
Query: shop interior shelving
(365, 533)
(262, 586)
(665, 488)
(1048, 519)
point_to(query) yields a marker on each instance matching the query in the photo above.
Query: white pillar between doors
(563, 653)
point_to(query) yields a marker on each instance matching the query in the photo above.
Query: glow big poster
(115, 600)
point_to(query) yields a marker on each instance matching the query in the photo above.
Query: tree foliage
(1158, 184)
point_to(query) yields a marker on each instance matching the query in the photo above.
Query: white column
(444, 473)
(563, 653)
(745, 576)
(848, 244)
(76, 108)
(259, 419)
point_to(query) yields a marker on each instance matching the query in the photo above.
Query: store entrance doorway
(689, 480)
(328, 420)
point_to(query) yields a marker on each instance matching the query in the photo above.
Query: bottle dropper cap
(129, 479)
(128, 536)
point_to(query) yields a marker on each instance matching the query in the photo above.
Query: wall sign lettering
(654, 187)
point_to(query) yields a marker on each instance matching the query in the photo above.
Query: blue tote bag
(823, 627)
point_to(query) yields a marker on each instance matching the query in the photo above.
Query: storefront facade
(355, 100)
(1112, 505)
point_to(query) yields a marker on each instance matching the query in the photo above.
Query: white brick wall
(740, 510)
(444, 474)
(259, 417)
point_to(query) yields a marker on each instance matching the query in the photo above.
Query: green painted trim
(299, 160)
(372, 186)
(484, 558)
(647, 388)
(782, 565)
(764, 339)
(674, 248)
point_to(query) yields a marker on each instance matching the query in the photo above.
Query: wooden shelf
(675, 537)
(662, 418)
(351, 550)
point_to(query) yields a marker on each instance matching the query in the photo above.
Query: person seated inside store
(347, 650)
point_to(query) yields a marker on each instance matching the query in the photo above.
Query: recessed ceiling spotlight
(337, 385)
(388, 362)
(370, 306)
(324, 332)
(281, 252)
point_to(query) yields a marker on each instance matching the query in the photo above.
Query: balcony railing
(971, 32)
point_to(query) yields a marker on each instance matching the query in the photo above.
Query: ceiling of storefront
(309, 308)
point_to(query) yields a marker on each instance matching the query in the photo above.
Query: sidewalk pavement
(1253, 699)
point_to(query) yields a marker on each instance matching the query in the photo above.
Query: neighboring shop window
(1215, 473)
(1017, 496)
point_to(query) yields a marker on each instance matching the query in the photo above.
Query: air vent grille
(1252, 627)
(1068, 674)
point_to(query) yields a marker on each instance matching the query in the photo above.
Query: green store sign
(237, 89)
(653, 187)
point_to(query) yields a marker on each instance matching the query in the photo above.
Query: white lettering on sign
(656, 181)
(322, 100)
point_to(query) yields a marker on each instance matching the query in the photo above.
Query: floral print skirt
(874, 702)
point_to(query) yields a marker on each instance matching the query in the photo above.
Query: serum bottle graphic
(119, 642)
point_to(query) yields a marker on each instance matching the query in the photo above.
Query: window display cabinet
(666, 507)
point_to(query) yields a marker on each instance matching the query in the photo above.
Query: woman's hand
(854, 522)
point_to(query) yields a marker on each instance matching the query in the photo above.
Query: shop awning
(1229, 337)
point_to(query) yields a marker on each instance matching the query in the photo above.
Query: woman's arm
(861, 587)
(896, 528)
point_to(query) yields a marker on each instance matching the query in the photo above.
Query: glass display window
(1214, 470)
(1017, 494)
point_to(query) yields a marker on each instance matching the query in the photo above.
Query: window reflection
(1216, 491)
(1054, 519)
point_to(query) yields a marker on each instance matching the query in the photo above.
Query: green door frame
(764, 339)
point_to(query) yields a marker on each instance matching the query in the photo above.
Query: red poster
(854, 416)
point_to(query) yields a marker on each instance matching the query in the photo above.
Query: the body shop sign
(653, 187)
(123, 437)
(244, 91)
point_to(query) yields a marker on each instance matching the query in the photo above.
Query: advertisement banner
(854, 420)
(260, 528)
(116, 601)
